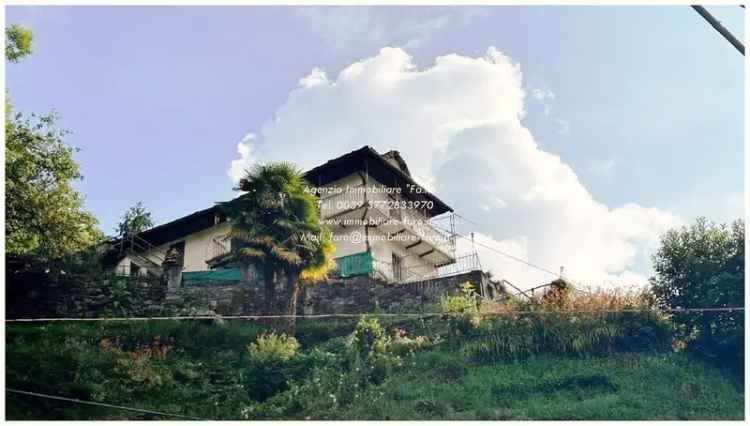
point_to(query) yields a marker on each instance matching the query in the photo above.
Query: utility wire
(510, 256)
(100, 404)
(385, 315)
(467, 219)
(720, 28)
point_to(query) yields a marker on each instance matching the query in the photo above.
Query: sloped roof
(394, 157)
(363, 159)
(368, 160)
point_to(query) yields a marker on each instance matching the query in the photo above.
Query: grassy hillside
(624, 386)
(422, 369)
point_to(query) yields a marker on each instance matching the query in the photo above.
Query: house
(380, 218)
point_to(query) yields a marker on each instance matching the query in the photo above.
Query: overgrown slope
(564, 368)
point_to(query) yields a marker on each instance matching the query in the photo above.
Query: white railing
(463, 264)
(422, 226)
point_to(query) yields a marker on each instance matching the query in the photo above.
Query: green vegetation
(597, 366)
(704, 266)
(276, 227)
(44, 213)
(18, 41)
(45, 220)
(135, 219)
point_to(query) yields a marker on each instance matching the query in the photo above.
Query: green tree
(276, 227)
(18, 42)
(703, 266)
(44, 215)
(136, 219)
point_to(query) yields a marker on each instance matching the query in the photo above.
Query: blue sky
(645, 104)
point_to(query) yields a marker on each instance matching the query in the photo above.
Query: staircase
(135, 248)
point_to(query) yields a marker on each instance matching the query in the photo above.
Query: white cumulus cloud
(458, 125)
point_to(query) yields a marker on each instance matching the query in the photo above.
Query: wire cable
(510, 256)
(386, 315)
(100, 404)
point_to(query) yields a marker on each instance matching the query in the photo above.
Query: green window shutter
(355, 264)
(218, 276)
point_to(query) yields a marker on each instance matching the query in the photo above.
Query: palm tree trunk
(292, 304)
(281, 291)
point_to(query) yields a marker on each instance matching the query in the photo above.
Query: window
(397, 263)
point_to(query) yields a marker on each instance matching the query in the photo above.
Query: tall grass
(461, 366)
(569, 324)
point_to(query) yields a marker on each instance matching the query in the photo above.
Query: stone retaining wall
(43, 296)
(363, 294)
(35, 295)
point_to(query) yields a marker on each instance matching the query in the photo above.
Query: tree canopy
(703, 266)
(18, 42)
(276, 228)
(276, 222)
(135, 219)
(44, 214)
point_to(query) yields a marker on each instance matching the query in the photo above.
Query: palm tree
(276, 228)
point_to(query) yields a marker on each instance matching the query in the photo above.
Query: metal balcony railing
(428, 233)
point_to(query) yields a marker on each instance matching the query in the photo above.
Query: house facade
(380, 218)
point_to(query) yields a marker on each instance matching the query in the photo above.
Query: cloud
(542, 95)
(317, 76)
(245, 150)
(545, 98)
(458, 125)
(603, 168)
(344, 28)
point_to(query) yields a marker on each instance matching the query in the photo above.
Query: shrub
(120, 296)
(144, 364)
(368, 336)
(462, 309)
(401, 344)
(273, 348)
(703, 266)
(463, 303)
(273, 364)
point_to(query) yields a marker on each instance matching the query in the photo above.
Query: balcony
(349, 207)
(217, 250)
(364, 263)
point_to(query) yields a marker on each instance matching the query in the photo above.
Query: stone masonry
(43, 296)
